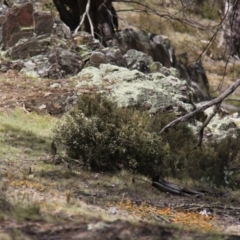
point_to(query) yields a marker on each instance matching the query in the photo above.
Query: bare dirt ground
(76, 204)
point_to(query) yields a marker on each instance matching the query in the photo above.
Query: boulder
(38, 45)
(25, 31)
(152, 92)
(17, 25)
(156, 50)
(138, 60)
(150, 44)
(194, 73)
(199, 81)
(220, 126)
(58, 63)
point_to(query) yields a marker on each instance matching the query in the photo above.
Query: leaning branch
(206, 123)
(215, 101)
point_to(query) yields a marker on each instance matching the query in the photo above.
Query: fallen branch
(164, 186)
(216, 101)
(205, 124)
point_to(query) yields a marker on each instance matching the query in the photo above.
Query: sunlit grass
(24, 134)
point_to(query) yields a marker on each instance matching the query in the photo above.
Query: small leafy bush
(108, 138)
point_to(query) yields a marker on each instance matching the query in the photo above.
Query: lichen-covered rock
(219, 126)
(69, 62)
(26, 48)
(152, 92)
(58, 63)
(24, 31)
(43, 23)
(98, 58)
(107, 55)
(138, 60)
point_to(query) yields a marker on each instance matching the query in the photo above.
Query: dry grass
(190, 219)
(186, 38)
(39, 190)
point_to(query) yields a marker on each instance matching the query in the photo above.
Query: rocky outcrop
(153, 45)
(152, 92)
(42, 46)
(22, 24)
(38, 45)
(221, 125)
(136, 69)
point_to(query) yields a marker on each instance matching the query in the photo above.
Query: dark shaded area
(102, 13)
(117, 230)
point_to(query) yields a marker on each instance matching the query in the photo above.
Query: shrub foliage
(108, 138)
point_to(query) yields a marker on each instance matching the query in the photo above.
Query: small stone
(43, 106)
(112, 210)
(97, 58)
(55, 85)
(99, 225)
(235, 115)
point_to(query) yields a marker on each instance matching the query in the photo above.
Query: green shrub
(108, 138)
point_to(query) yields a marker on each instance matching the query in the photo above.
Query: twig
(24, 108)
(163, 219)
(205, 124)
(89, 18)
(83, 18)
(167, 15)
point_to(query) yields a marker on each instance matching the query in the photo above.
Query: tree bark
(102, 15)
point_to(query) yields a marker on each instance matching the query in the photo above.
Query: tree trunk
(102, 16)
(231, 28)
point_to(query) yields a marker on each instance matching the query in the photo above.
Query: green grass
(24, 138)
(24, 135)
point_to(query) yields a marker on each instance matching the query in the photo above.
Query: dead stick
(205, 124)
(215, 101)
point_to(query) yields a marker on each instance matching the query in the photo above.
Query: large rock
(152, 92)
(153, 45)
(194, 73)
(17, 25)
(220, 126)
(25, 31)
(58, 63)
(38, 45)
(107, 55)
(199, 80)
